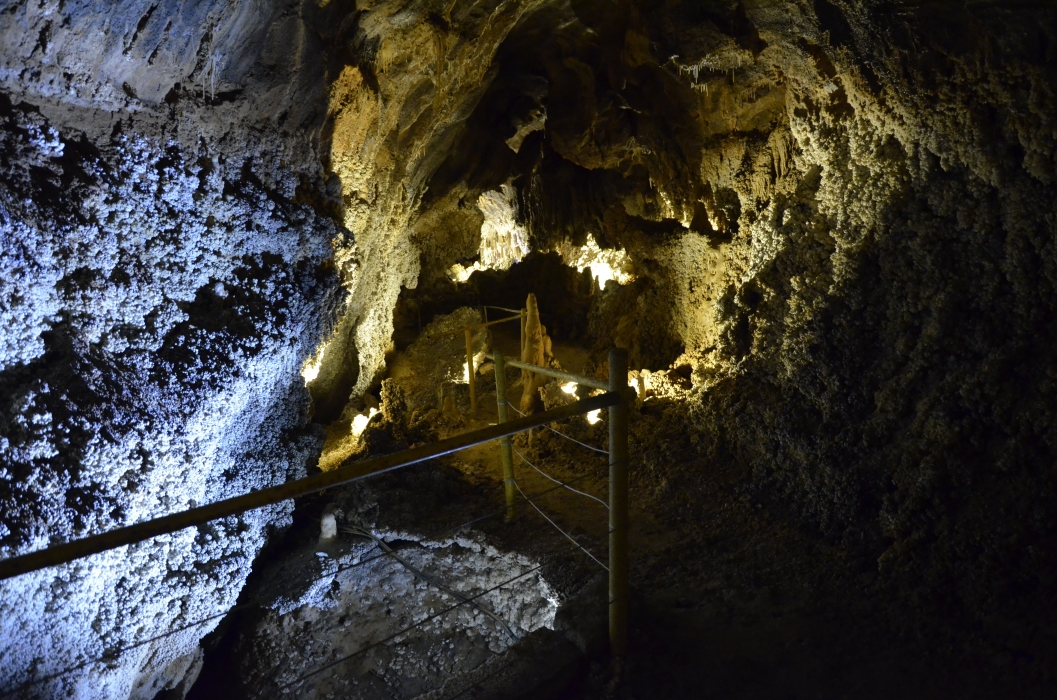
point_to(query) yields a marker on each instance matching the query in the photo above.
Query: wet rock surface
(343, 615)
(478, 606)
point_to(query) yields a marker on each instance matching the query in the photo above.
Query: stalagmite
(531, 351)
(536, 348)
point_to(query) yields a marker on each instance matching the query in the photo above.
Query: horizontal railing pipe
(70, 551)
(475, 326)
(556, 373)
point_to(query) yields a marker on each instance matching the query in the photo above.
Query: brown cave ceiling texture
(829, 225)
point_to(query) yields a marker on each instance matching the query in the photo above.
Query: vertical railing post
(504, 444)
(521, 348)
(470, 371)
(618, 505)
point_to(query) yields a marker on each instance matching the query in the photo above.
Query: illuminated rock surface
(827, 230)
(162, 283)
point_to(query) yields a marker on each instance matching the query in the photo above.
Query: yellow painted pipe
(471, 371)
(505, 448)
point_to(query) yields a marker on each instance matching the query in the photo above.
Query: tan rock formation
(533, 351)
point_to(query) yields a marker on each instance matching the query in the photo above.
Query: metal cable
(571, 439)
(425, 577)
(581, 444)
(567, 535)
(407, 629)
(502, 308)
(110, 656)
(564, 485)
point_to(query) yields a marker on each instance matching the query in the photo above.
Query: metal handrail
(70, 551)
(556, 373)
(463, 329)
(618, 478)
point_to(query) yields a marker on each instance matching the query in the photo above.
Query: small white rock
(328, 527)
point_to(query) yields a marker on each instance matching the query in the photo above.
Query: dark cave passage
(565, 298)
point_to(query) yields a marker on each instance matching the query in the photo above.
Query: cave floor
(728, 601)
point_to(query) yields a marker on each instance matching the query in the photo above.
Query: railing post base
(505, 448)
(618, 505)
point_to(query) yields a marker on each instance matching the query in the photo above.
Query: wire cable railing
(557, 432)
(249, 605)
(615, 399)
(348, 472)
(560, 483)
(556, 527)
(471, 600)
(618, 458)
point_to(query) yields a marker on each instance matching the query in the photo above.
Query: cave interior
(244, 244)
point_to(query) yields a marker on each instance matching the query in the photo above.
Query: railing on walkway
(618, 476)
(471, 371)
(616, 397)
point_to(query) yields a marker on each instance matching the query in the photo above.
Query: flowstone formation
(163, 279)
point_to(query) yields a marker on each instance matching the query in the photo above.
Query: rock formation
(838, 218)
(536, 349)
(164, 276)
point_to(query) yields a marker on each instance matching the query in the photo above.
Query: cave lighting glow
(477, 360)
(458, 273)
(310, 370)
(360, 421)
(569, 388)
(503, 240)
(641, 382)
(605, 264)
(594, 416)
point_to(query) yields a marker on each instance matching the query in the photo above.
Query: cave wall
(165, 255)
(893, 343)
(412, 77)
(840, 213)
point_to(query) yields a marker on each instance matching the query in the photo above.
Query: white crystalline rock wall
(160, 288)
(503, 240)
